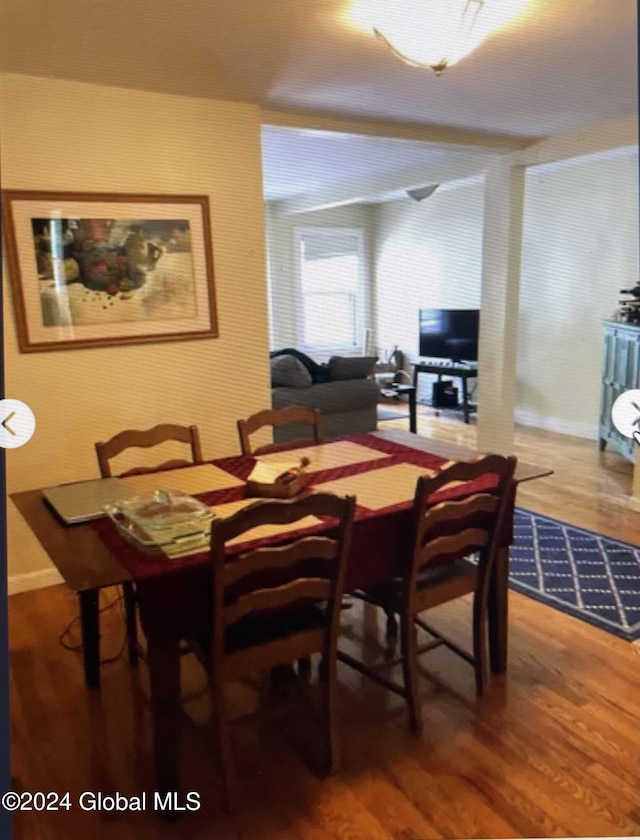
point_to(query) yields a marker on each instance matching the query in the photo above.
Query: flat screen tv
(449, 334)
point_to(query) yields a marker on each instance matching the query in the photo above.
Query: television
(450, 334)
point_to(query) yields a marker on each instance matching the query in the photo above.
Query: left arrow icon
(5, 423)
(17, 423)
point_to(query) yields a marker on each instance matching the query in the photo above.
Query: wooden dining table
(380, 469)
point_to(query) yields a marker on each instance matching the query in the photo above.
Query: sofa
(343, 392)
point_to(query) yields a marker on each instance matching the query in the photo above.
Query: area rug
(579, 572)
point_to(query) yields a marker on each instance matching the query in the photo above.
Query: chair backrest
(470, 522)
(279, 579)
(147, 438)
(278, 417)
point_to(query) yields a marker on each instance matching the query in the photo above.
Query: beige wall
(580, 247)
(428, 255)
(70, 136)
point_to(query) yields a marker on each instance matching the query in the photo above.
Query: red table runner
(174, 593)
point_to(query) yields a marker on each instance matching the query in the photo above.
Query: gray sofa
(347, 403)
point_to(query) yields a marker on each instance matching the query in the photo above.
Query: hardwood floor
(552, 750)
(590, 489)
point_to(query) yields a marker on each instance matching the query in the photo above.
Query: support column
(501, 254)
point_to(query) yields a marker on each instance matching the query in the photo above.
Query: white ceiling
(566, 64)
(300, 162)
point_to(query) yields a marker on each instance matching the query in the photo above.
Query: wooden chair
(278, 417)
(439, 568)
(144, 439)
(275, 604)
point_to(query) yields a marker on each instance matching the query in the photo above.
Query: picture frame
(102, 269)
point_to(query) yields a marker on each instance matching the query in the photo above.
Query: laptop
(85, 500)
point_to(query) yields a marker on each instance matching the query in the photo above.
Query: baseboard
(33, 580)
(556, 424)
(633, 503)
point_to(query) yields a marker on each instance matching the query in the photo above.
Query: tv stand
(458, 370)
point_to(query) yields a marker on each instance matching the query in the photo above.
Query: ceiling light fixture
(438, 33)
(420, 193)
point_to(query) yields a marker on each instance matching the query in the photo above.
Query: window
(330, 278)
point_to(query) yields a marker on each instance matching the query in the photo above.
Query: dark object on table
(449, 334)
(444, 394)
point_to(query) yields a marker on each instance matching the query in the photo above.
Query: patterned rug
(578, 572)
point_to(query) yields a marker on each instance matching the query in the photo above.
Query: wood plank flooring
(552, 750)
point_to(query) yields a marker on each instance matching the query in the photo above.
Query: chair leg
(480, 644)
(322, 669)
(280, 678)
(130, 621)
(329, 713)
(408, 635)
(223, 745)
(304, 667)
(392, 624)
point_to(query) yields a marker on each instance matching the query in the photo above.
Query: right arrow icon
(625, 414)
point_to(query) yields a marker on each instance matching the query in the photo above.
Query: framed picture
(91, 269)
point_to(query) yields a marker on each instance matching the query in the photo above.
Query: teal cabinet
(620, 372)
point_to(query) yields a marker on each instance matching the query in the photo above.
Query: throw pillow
(318, 373)
(351, 367)
(288, 372)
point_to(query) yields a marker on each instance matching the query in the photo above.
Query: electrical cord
(77, 646)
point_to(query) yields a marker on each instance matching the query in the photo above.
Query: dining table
(174, 592)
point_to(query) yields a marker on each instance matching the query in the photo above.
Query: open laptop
(85, 500)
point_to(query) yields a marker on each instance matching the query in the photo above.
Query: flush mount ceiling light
(420, 193)
(438, 33)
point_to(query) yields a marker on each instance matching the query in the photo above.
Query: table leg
(131, 621)
(499, 611)
(465, 398)
(164, 678)
(413, 423)
(90, 624)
